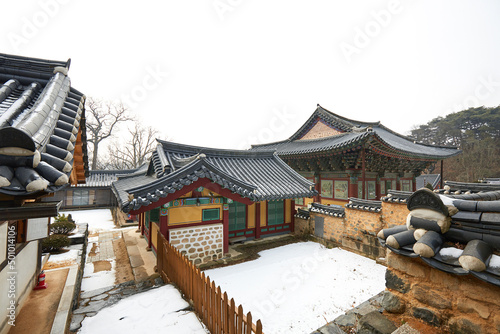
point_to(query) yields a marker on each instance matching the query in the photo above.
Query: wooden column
(164, 227)
(363, 172)
(141, 222)
(442, 176)
(353, 187)
(257, 220)
(150, 244)
(317, 186)
(225, 227)
(292, 217)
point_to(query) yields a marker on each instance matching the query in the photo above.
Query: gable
(320, 129)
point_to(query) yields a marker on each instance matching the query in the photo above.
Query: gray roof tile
(255, 175)
(40, 114)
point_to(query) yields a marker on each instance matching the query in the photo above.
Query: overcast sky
(228, 73)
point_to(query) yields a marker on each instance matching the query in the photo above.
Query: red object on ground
(41, 282)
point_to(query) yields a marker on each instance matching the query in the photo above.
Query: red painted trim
(204, 182)
(257, 220)
(225, 230)
(170, 197)
(277, 231)
(244, 230)
(164, 227)
(292, 217)
(227, 193)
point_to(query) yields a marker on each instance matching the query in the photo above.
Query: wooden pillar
(353, 187)
(225, 227)
(377, 188)
(441, 186)
(317, 186)
(141, 222)
(150, 243)
(257, 220)
(292, 217)
(363, 173)
(164, 226)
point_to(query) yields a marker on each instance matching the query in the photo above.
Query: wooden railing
(214, 308)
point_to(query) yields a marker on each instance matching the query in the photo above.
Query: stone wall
(357, 231)
(464, 304)
(394, 214)
(302, 226)
(334, 228)
(200, 244)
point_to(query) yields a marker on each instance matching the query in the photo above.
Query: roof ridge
(183, 148)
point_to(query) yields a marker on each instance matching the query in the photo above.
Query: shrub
(55, 242)
(62, 227)
(61, 218)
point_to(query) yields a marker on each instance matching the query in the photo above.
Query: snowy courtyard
(300, 287)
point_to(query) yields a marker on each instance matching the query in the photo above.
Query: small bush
(62, 227)
(61, 218)
(55, 242)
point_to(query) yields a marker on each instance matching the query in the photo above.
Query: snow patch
(98, 220)
(299, 287)
(495, 262)
(451, 252)
(154, 311)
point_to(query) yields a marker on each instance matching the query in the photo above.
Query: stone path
(93, 301)
(105, 246)
(365, 318)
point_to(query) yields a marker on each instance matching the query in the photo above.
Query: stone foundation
(200, 244)
(464, 304)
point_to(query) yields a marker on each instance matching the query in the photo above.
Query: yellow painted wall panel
(189, 214)
(263, 213)
(288, 210)
(154, 232)
(251, 216)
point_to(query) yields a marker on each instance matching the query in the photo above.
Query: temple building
(42, 151)
(346, 159)
(202, 198)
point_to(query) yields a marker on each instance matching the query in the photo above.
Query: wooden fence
(214, 308)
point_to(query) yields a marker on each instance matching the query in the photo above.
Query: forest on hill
(476, 131)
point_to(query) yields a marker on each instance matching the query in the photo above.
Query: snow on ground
(153, 311)
(98, 220)
(70, 255)
(300, 287)
(96, 280)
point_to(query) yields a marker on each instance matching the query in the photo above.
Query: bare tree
(136, 149)
(102, 119)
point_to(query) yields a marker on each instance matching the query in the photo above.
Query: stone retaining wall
(200, 244)
(357, 231)
(464, 304)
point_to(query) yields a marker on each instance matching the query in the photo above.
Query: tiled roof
(104, 178)
(332, 210)
(432, 179)
(466, 188)
(302, 214)
(475, 220)
(41, 121)
(396, 196)
(355, 135)
(255, 175)
(364, 204)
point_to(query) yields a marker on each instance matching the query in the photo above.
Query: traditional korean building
(201, 198)
(347, 158)
(42, 151)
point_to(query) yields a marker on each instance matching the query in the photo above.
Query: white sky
(252, 71)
